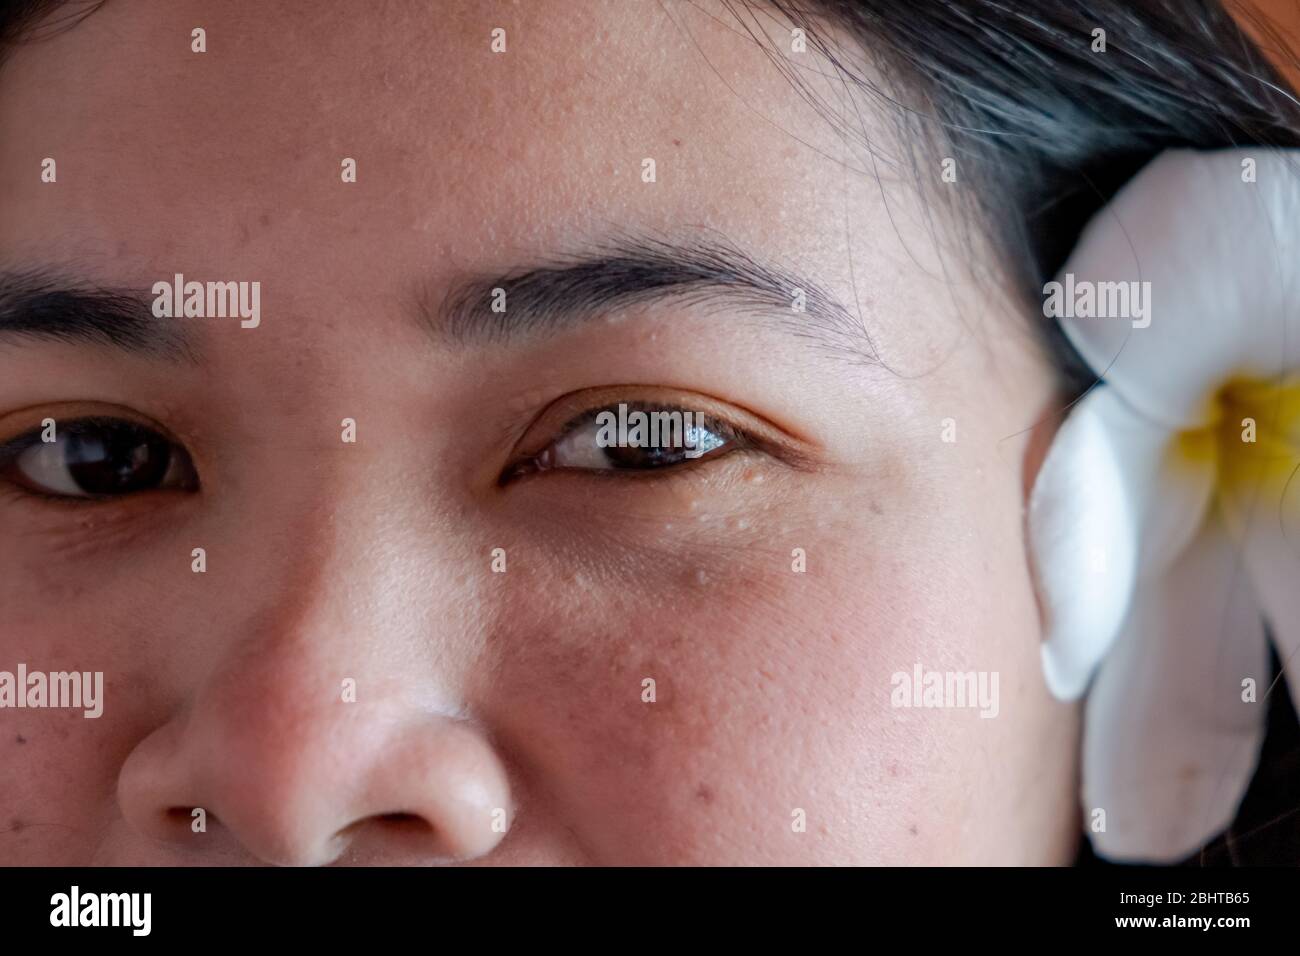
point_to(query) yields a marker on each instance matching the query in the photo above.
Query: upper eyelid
(609, 397)
(590, 414)
(32, 436)
(103, 415)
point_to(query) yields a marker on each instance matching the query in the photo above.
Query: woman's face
(358, 674)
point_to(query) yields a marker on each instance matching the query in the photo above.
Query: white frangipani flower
(1165, 522)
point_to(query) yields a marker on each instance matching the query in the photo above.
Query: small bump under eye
(97, 458)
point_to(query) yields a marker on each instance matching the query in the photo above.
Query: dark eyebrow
(35, 304)
(629, 271)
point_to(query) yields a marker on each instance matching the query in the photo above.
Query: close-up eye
(633, 437)
(96, 458)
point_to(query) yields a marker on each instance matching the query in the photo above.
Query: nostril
(382, 834)
(185, 815)
(404, 824)
(178, 822)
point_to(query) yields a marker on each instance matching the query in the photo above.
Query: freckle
(704, 794)
(912, 829)
(264, 220)
(17, 826)
(876, 509)
(20, 739)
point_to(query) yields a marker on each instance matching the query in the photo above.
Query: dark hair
(1047, 131)
(28, 21)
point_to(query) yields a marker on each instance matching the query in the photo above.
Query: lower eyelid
(700, 470)
(66, 529)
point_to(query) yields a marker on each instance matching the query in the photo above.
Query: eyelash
(736, 441)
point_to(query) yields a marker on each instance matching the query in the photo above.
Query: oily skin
(371, 561)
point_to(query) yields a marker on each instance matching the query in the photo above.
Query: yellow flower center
(1252, 442)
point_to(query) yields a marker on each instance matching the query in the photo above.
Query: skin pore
(329, 561)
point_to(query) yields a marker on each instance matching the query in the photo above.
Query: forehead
(548, 137)
(226, 164)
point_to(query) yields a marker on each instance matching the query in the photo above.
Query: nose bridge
(333, 707)
(349, 584)
(362, 564)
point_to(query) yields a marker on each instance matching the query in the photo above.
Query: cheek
(772, 687)
(771, 690)
(104, 593)
(60, 767)
(671, 726)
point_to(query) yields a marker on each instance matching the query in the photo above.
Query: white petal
(1270, 514)
(1169, 744)
(1106, 501)
(1222, 257)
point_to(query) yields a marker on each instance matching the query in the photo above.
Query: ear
(1039, 440)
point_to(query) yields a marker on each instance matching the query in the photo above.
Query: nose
(328, 727)
(308, 782)
(325, 721)
(309, 779)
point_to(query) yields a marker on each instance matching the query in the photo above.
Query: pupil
(621, 456)
(116, 459)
